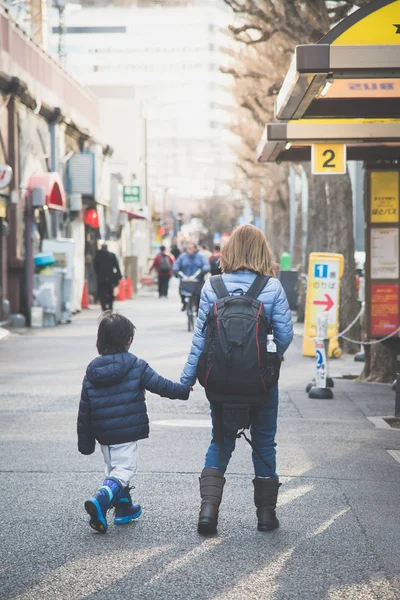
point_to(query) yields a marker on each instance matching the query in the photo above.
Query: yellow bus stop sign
(328, 158)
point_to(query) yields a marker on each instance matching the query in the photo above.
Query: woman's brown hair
(247, 248)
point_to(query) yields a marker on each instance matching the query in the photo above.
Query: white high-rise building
(170, 53)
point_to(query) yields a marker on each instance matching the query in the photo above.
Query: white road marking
(183, 423)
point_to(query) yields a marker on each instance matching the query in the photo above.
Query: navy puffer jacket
(112, 409)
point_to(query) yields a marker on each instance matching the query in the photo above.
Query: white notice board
(384, 253)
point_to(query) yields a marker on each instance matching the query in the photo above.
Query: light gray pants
(121, 461)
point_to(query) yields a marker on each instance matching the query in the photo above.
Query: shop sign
(216, 239)
(384, 253)
(384, 309)
(131, 193)
(384, 197)
(364, 88)
(328, 159)
(5, 175)
(225, 238)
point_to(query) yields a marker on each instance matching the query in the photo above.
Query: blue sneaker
(125, 510)
(97, 505)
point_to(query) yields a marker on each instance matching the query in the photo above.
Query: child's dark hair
(114, 334)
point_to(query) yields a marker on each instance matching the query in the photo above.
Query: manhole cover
(394, 454)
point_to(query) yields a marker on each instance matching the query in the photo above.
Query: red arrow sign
(328, 302)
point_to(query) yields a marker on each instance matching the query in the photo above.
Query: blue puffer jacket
(190, 263)
(276, 308)
(112, 409)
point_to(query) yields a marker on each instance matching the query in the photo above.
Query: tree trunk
(297, 256)
(381, 362)
(330, 229)
(278, 211)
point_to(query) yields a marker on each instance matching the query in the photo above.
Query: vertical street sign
(382, 271)
(328, 159)
(323, 295)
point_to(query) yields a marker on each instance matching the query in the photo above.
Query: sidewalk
(4, 333)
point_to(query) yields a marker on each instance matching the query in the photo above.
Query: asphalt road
(339, 505)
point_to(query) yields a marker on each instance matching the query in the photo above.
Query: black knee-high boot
(265, 498)
(212, 483)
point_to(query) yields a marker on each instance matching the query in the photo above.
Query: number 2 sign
(328, 158)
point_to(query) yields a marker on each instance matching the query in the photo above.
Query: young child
(113, 411)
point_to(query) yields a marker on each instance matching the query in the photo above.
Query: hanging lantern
(92, 218)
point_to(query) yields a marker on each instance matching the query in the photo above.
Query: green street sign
(131, 193)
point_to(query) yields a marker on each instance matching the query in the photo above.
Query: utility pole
(262, 208)
(146, 176)
(60, 5)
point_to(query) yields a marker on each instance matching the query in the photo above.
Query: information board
(384, 308)
(384, 197)
(384, 253)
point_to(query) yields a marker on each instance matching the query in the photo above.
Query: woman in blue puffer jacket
(245, 256)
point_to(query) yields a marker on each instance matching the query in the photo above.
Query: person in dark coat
(108, 276)
(112, 410)
(175, 251)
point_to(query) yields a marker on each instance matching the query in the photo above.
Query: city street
(338, 506)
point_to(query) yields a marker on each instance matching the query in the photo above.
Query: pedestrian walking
(215, 267)
(113, 411)
(244, 326)
(108, 276)
(175, 251)
(163, 265)
(189, 263)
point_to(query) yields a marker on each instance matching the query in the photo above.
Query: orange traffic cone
(85, 295)
(129, 288)
(121, 290)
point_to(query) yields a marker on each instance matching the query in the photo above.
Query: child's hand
(191, 388)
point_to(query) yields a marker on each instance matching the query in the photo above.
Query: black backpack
(165, 265)
(235, 368)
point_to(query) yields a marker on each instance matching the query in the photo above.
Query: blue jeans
(262, 431)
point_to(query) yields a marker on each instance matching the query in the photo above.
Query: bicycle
(190, 288)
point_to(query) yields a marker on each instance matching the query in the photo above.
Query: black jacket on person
(107, 267)
(112, 409)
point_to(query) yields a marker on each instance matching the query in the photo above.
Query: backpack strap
(257, 286)
(217, 284)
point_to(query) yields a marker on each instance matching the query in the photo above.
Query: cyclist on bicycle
(189, 263)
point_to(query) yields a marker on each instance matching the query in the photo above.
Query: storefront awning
(53, 188)
(133, 215)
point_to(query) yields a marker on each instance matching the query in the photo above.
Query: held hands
(190, 390)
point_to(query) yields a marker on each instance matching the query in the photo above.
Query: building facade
(170, 53)
(47, 119)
